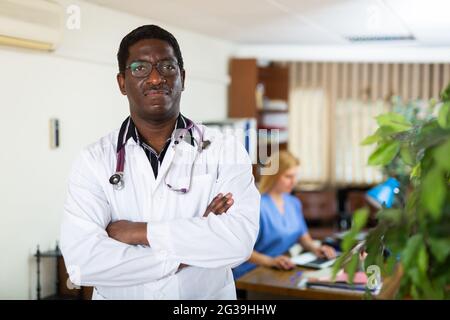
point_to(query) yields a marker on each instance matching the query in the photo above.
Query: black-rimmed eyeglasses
(141, 69)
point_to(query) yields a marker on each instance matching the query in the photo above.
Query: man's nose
(155, 77)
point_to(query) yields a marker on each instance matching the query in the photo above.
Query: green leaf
(385, 131)
(414, 292)
(381, 133)
(374, 243)
(444, 116)
(445, 94)
(415, 275)
(406, 155)
(439, 284)
(415, 173)
(351, 267)
(349, 241)
(390, 264)
(371, 139)
(385, 153)
(359, 219)
(440, 248)
(394, 215)
(421, 282)
(422, 258)
(442, 155)
(337, 266)
(433, 192)
(397, 235)
(395, 121)
(409, 253)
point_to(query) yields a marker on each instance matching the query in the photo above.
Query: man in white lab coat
(188, 209)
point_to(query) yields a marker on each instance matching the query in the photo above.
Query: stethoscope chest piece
(117, 180)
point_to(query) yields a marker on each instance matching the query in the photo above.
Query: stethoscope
(117, 178)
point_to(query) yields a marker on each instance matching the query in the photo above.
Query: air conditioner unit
(33, 24)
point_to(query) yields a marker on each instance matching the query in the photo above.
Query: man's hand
(128, 232)
(219, 204)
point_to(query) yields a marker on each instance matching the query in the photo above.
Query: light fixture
(383, 194)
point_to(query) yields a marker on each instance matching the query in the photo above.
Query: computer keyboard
(319, 261)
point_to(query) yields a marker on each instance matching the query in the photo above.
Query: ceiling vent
(381, 38)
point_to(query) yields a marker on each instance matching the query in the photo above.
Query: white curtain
(309, 134)
(355, 120)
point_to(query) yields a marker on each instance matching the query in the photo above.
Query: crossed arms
(135, 233)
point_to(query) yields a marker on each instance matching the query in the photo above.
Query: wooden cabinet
(64, 289)
(245, 76)
(252, 92)
(242, 92)
(275, 79)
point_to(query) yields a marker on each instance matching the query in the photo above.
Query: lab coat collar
(128, 130)
(186, 148)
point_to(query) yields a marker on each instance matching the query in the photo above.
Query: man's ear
(183, 76)
(121, 82)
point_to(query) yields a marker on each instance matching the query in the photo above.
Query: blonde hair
(286, 161)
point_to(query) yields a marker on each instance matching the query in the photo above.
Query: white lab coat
(177, 232)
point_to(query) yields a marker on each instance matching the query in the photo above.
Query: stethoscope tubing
(117, 178)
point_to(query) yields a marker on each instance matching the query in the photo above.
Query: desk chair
(356, 199)
(320, 212)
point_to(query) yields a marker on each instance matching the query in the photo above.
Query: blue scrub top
(277, 232)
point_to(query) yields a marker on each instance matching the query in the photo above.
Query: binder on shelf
(244, 129)
(272, 104)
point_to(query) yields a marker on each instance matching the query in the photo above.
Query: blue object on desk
(296, 277)
(384, 194)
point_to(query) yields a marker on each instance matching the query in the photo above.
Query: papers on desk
(323, 273)
(310, 260)
(342, 283)
(322, 280)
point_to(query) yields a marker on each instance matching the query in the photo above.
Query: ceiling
(423, 23)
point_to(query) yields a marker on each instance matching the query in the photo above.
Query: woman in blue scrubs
(281, 222)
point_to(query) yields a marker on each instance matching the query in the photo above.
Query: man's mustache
(164, 88)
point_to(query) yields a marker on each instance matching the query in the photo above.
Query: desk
(63, 292)
(277, 282)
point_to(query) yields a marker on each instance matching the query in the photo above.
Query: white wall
(75, 84)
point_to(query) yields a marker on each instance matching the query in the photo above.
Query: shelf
(273, 128)
(261, 93)
(245, 77)
(272, 111)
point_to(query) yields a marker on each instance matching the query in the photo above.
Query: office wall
(77, 85)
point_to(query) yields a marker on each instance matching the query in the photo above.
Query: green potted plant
(411, 241)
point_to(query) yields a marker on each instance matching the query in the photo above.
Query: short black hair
(149, 31)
